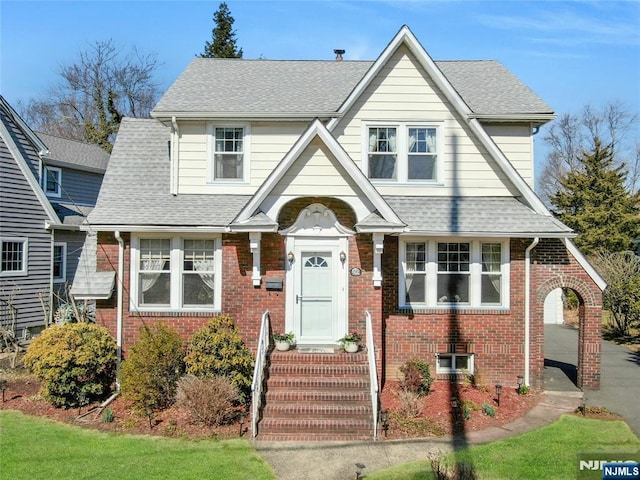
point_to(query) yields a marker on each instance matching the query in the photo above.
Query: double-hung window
(13, 260)
(229, 156)
(59, 262)
(445, 273)
(404, 152)
(52, 181)
(176, 273)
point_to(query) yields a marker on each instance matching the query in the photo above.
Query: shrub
(149, 375)
(211, 401)
(417, 376)
(75, 362)
(108, 416)
(218, 350)
(488, 409)
(410, 404)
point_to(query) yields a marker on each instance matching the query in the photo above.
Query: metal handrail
(258, 372)
(373, 372)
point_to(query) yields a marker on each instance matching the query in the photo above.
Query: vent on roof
(339, 53)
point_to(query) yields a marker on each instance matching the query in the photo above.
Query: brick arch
(582, 289)
(290, 210)
(589, 315)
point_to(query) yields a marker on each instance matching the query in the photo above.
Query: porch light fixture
(498, 393)
(343, 257)
(3, 387)
(384, 419)
(290, 257)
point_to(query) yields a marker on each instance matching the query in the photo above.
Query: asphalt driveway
(619, 377)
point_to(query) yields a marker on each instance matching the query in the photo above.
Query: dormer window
(404, 153)
(51, 181)
(229, 153)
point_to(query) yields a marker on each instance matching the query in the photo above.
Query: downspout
(527, 308)
(175, 149)
(119, 306)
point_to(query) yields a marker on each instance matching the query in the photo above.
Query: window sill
(174, 313)
(407, 184)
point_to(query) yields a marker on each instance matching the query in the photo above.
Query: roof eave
(479, 234)
(537, 119)
(166, 116)
(152, 228)
(73, 166)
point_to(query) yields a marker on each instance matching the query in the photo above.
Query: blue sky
(571, 53)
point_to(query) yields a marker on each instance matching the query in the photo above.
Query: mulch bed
(436, 416)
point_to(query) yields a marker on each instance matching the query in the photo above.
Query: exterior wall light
(343, 257)
(290, 257)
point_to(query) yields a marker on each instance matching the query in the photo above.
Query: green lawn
(548, 453)
(33, 448)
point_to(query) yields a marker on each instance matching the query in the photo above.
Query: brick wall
(495, 337)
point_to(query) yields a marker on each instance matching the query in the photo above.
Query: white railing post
(373, 372)
(258, 373)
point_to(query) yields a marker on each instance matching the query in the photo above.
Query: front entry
(316, 287)
(316, 293)
(315, 308)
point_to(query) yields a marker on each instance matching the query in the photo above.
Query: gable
(19, 149)
(316, 158)
(317, 172)
(403, 93)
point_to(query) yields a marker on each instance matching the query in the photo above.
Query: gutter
(119, 306)
(527, 308)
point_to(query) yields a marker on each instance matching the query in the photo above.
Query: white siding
(402, 92)
(516, 142)
(270, 142)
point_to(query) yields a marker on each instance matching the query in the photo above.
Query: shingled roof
(214, 86)
(135, 189)
(74, 154)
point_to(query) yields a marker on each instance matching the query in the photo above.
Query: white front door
(316, 286)
(315, 304)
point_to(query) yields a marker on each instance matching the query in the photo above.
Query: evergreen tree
(223, 42)
(593, 201)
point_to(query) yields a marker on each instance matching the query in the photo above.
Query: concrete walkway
(336, 461)
(619, 376)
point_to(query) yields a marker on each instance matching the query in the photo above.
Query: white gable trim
(406, 37)
(317, 128)
(23, 163)
(584, 263)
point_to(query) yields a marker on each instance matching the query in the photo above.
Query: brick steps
(316, 397)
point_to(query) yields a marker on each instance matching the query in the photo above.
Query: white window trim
(58, 192)
(440, 370)
(25, 257)
(63, 278)
(176, 258)
(475, 271)
(246, 160)
(402, 152)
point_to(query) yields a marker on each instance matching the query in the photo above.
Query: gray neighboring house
(48, 185)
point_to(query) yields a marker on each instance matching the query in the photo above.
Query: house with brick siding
(391, 197)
